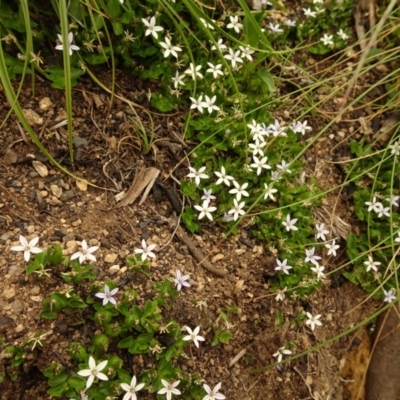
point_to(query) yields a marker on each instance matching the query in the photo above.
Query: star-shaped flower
(146, 251)
(390, 295)
(208, 196)
(197, 174)
(197, 103)
(234, 57)
(289, 224)
(284, 167)
(282, 266)
(246, 52)
(301, 127)
(209, 104)
(235, 24)
(327, 40)
(152, 29)
(318, 269)
(70, 46)
(169, 48)
(281, 352)
(311, 257)
(371, 264)
(214, 393)
(205, 210)
(194, 71)
(131, 389)
(223, 177)
(237, 209)
(269, 191)
(239, 190)
(321, 232)
(194, 336)
(281, 294)
(342, 34)
(178, 80)
(309, 13)
(260, 164)
(180, 280)
(86, 253)
(94, 372)
(215, 70)
(275, 28)
(374, 205)
(27, 248)
(332, 248)
(107, 296)
(313, 321)
(169, 389)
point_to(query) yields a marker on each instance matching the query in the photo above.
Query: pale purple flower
(282, 266)
(332, 248)
(389, 295)
(197, 174)
(321, 232)
(107, 296)
(289, 224)
(281, 352)
(311, 257)
(181, 280)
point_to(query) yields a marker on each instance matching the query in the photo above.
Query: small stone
(69, 237)
(6, 236)
(56, 190)
(82, 186)
(217, 257)
(77, 222)
(44, 193)
(114, 269)
(110, 258)
(67, 195)
(40, 168)
(32, 117)
(36, 299)
(17, 307)
(35, 290)
(5, 322)
(45, 104)
(30, 229)
(19, 328)
(8, 293)
(105, 243)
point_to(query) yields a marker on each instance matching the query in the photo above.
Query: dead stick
(197, 254)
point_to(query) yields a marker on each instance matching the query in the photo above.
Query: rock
(17, 307)
(19, 328)
(114, 269)
(35, 290)
(8, 293)
(217, 257)
(82, 186)
(5, 322)
(40, 168)
(69, 237)
(111, 257)
(68, 195)
(45, 104)
(6, 236)
(30, 229)
(36, 299)
(32, 117)
(77, 223)
(105, 243)
(56, 190)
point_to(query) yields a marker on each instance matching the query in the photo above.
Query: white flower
(332, 248)
(246, 52)
(321, 232)
(169, 389)
(389, 295)
(235, 24)
(220, 45)
(311, 257)
(237, 209)
(178, 80)
(209, 104)
(27, 248)
(169, 48)
(69, 46)
(313, 321)
(152, 29)
(269, 191)
(257, 147)
(327, 40)
(146, 251)
(284, 167)
(94, 372)
(234, 57)
(289, 224)
(342, 34)
(208, 196)
(206, 24)
(193, 335)
(260, 164)
(254, 126)
(228, 217)
(180, 280)
(393, 200)
(290, 23)
(383, 211)
(239, 190)
(215, 70)
(395, 148)
(374, 205)
(397, 240)
(275, 28)
(197, 103)
(107, 296)
(205, 210)
(214, 393)
(276, 129)
(282, 266)
(223, 177)
(371, 264)
(197, 174)
(281, 352)
(301, 127)
(131, 389)
(194, 71)
(309, 13)
(280, 294)
(86, 253)
(276, 175)
(318, 269)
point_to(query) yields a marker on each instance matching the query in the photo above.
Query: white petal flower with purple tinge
(289, 224)
(181, 280)
(319, 271)
(321, 231)
(169, 389)
(281, 294)
(246, 52)
(269, 191)
(390, 295)
(152, 29)
(301, 127)
(313, 321)
(209, 104)
(146, 251)
(27, 248)
(194, 336)
(94, 372)
(169, 48)
(205, 210)
(178, 80)
(208, 196)
(86, 253)
(213, 394)
(275, 28)
(197, 174)
(107, 296)
(332, 247)
(311, 257)
(70, 46)
(374, 205)
(281, 352)
(282, 266)
(260, 164)
(237, 209)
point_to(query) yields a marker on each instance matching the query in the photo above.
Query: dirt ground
(59, 211)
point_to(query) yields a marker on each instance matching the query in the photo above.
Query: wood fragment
(237, 358)
(197, 254)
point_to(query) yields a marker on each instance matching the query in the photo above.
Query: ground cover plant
(227, 68)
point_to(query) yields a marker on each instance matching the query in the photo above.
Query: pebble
(111, 257)
(6, 236)
(35, 290)
(17, 307)
(19, 328)
(77, 222)
(105, 243)
(217, 257)
(114, 269)
(5, 322)
(56, 190)
(8, 293)
(36, 299)
(67, 195)
(45, 104)
(30, 229)
(69, 237)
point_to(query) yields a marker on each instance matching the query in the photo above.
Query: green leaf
(250, 33)
(58, 379)
(58, 390)
(127, 17)
(48, 314)
(188, 217)
(267, 78)
(117, 27)
(352, 251)
(224, 337)
(113, 8)
(95, 59)
(126, 343)
(163, 103)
